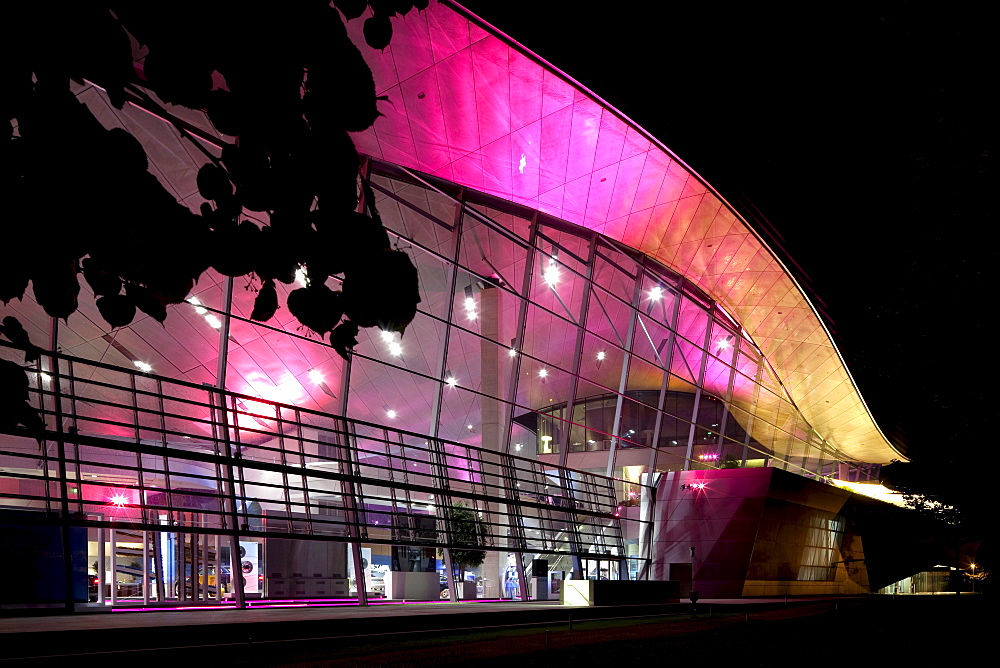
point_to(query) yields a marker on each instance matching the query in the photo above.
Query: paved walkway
(133, 617)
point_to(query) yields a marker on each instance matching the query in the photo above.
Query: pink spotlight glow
(118, 500)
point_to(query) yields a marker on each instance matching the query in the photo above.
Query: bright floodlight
(316, 376)
(143, 366)
(395, 349)
(470, 304)
(512, 352)
(542, 373)
(655, 292)
(723, 343)
(387, 336)
(600, 356)
(391, 414)
(451, 381)
(119, 500)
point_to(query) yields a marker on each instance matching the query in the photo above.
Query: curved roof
(470, 105)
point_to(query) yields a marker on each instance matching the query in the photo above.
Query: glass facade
(547, 370)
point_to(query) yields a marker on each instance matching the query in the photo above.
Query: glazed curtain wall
(538, 336)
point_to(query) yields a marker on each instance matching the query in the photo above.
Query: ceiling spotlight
(145, 368)
(551, 274)
(391, 414)
(601, 355)
(518, 446)
(512, 352)
(655, 292)
(118, 500)
(542, 373)
(723, 343)
(316, 376)
(451, 381)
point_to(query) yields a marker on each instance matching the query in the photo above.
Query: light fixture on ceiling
(655, 292)
(200, 309)
(142, 366)
(470, 303)
(391, 414)
(551, 273)
(450, 380)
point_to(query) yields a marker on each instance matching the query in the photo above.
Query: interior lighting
(601, 355)
(119, 500)
(542, 373)
(655, 293)
(723, 343)
(145, 368)
(512, 352)
(395, 349)
(451, 381)
(699, 485)
(198, 308)
(316, 376)
(210, 318)
(551, 274)
(391, 414)
(518, 446)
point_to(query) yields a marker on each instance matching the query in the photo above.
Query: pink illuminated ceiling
(472, 106)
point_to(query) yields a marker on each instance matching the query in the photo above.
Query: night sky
(857, 140)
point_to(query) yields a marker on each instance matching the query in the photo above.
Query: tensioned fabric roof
(470, 105)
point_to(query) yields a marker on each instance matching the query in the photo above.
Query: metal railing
(128, 449)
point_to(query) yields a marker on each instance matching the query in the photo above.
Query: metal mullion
(728, 399)
(284, 462)
(688, 453)
(623, 378)
(661, 399)
(75, 430)
(138, 454)
(581, 333)
(237, 455)
(751, 414)
(306, 504)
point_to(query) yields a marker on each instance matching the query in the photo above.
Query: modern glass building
(593, 314)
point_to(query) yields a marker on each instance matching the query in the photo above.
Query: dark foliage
(286, 86)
